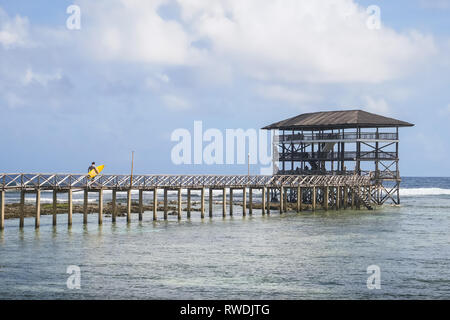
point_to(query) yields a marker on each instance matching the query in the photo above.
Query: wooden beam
(70, 202)
(202, 203)
(224, 202)
(114, 206)
(188, 205)
(263, 201)
(179, 204)
(55, 207)
(210, 202)
(38, 209)
(155, 204)
(165, 204)
(100, 207)
(85, 206)
(268, 201)
(2, 209)
(244, 202)
(22, 209)
(250, 203)
(128, 205)
(281, 200)
(141, 204)
(313, 199)
(231, 201)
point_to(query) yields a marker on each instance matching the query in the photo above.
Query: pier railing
(23, 181)
(338, 136)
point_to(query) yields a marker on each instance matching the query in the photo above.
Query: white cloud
(313, 41)
(295, 96)
(132, 30)
(175, 102)
(323, 41)
(40, 78)
(379, 105)
(13, 31)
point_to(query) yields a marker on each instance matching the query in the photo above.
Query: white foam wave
(423, 192)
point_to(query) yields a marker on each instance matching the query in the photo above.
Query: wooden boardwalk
(307, 191)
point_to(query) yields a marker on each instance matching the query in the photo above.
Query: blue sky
(138, 70)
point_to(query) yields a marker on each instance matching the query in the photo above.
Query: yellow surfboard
(95, 172)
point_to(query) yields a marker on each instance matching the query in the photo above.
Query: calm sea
(289, 256)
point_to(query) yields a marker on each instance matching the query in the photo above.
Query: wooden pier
(311, 191)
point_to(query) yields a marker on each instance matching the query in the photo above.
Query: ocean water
(322, 255)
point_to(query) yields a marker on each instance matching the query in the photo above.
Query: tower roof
(337, 119)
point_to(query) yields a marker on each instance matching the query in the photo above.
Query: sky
(136, 71)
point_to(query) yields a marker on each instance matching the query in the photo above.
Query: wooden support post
(2, 209)
(285, 207)
(263, 201)
(338, 198)
(155, 204)
(281, 200)
(300, 198)
(326, 197)
(268, 201)
(313, 199)
(38, 209)
(85, 206)
(353, 198)
(128, 205)
(358, 195)
(55, 206)
(114, 206)
(141, 203)
(202, 203)
(224, 202)
(231, 201)
(100, 207)
(165, 204)
(188, 209)
(345, 197)
(244, 201)
(210, 202)
(179, 204)
(22, 209)
(70, 201)
(250, 203)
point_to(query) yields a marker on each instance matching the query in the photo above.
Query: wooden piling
(100, 207)
(22, 209)
(38, 209)
(231, 202)
(128, 205)
(250, 201)
(338, 198)
(263, 201)
(85, 206)
(155, 204)
(55, 207)
(188, 206)
(114, 206)
(268, 201)
(244, 201)
(299, 199)
(70, 207)
(345, 197)
(210, 202)
(165, 204)
(224, 202)
(281, 200)
(2, 209)
(202, 203)
(179, 204)
(313, 198)
(141, 204)
(326, 197)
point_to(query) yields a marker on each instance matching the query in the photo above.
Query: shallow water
(289, 256)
